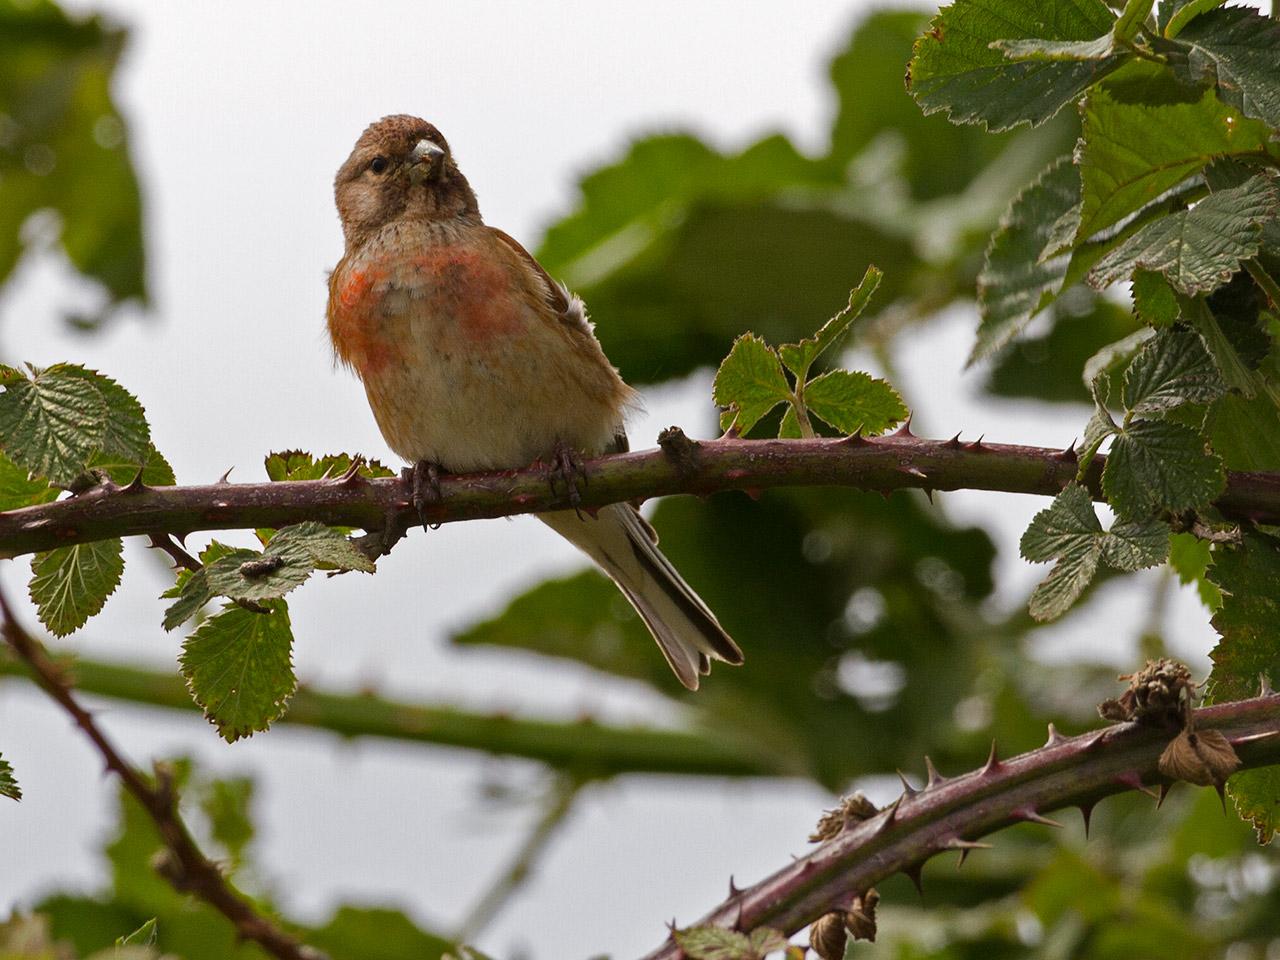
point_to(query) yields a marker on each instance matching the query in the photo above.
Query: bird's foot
(565, 470)
(423, 482)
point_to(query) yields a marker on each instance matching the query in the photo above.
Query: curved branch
(887, 463)
(951, 812)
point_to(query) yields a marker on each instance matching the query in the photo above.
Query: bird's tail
(626, 547)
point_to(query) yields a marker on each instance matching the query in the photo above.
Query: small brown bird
(473, 358)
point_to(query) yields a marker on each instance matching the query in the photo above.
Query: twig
(893, 462)
(952, 813)
(522, 864)
(186, 867)
(583, 748)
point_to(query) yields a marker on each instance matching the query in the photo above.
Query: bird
(474, 359)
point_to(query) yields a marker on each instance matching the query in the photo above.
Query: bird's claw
(423, 481)
(567, 468)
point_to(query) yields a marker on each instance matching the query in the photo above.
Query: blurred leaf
(300, 465)
(1171, 369)
(1249, 624)
(1246, 432)
(955, 69)
(1236, 49)
(65, 145)
(1143, 133)
(1189, 556)
(1199, 249)
(8, 785)
(226, 802)
(70, 584)
(854, 401)
(239, 667)
(1014, 283)
(749, 383)
(145, 935)
(717, 943)
(799, 357)
(1160, 465)
(356, 933)
(18, 489)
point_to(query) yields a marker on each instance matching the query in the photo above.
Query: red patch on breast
(475, 291)
(356, 326)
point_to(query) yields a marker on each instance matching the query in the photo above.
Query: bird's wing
(568, 308)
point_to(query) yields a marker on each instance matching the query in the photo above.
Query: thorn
(1131, 780)
(1030, 816)
(1222, 795)
(913, 471)
(1055, 737)
(856, 439)
(928, 492)
(1069, 453)
(351, 476)
(672, 927)
(993, 763)
(908, 790)
(223, 478)
(965, 847)
(935, 779)
(976, 444)
(891, 813)
(914, 874)
(135, 485)
(733, 888)
(1086, 811)
(954, 442)
(1164, 792)
(905, 429)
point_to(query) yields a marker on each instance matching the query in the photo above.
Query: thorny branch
(185, 866)
(952, 813)
(896, 461)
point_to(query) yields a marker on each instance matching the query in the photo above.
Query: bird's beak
(424, 160)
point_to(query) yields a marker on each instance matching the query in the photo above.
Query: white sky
(240, 113)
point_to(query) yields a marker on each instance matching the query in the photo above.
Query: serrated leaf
(1173, 15)
(52, 422)
(1199, 249)
(714, 943)
(1055, 594)
(300, 465)
(1249, 624)
(18, 489)
(1143, 134)
(789, 426)
(1096, 431)
(8, 785)
(851, 401)
(954, 68)
(70, 584)
(1015, 283)
(253, 576)
(324, 547)
(1160, 465)
(1066, 526)
(1172, 369)
(750, 381)
(1153, 299)
(799, 357)
(1135, 545)
(1189, 557)
(766, 940)
(156, 471)
(1238, 50)
(239, 668)
(1110, 358)
(126, 434)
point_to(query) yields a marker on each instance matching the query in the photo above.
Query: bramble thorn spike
(890, 814)
(915, 873)
(993, 763)
(1069, 453)
(1131, 780)
(905, 429)
(928, 492)
(1030, 815)
(135, 485)
(954, 442)
(1222, 795)
(733, 888)
(351, 476)
(1055, 737)
(935, 778)
(908, 791)
(856, 438)
(1086, 811)
(1164, 792)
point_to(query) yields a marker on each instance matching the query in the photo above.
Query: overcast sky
(240, 113)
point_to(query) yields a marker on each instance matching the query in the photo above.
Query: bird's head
(401, 168)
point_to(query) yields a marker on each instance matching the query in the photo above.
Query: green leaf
(145, 936)
(226, 803)
(125, 434)
(789, 426)
(1015, 283)
(1135, 545)
(799, 357)
(1249, 624)
(323, 547)
(8, 785)
(300, 465)
(1245, 432)
(1153, 299)
(1055, 594)
(156, 471)
(1132, 18)
(290, 556)
(191, 591)
(1173, 15)
(955, 69)
(715, 943)
(70, 584)
(239, 668)
(52, 422)
(1098, 48)
(750, 382)
(1172, 369)
(1160, 465)
(18, 489)
(357, 933)
(1143, 133)
(1189, 557)
(1066, 526)
(1238, 50)
(1199, 249)
(854, 401)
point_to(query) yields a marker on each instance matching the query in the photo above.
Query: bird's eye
(378, 165)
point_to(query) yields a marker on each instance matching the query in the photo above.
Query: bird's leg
(566, 467)
(423, 481)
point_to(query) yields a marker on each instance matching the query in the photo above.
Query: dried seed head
(1203, 757)
(860, 921)
(1159, 694)
(852, 809)
(827, 936)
